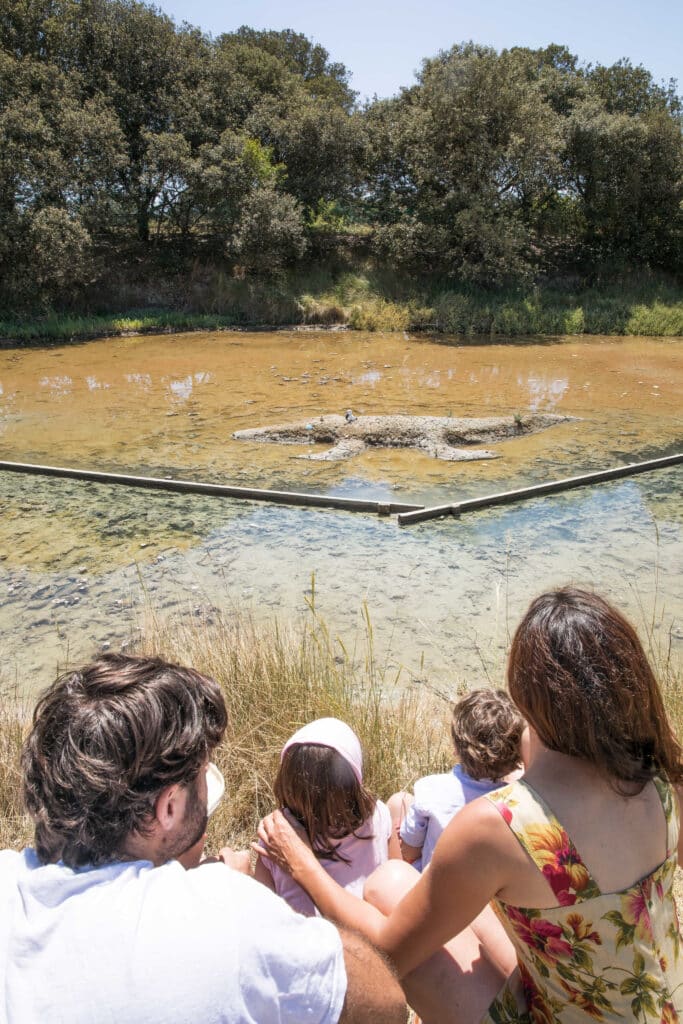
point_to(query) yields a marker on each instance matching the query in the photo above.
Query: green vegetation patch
(385, 301)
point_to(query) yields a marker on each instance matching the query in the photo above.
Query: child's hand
(238, 860)
(284, 843)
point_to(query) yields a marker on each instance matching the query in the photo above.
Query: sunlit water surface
(78, 560)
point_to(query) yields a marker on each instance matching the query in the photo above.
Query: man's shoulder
(238, 942)
(9, 857)
(14, 862)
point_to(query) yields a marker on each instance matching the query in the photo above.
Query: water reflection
(546, 394)
(60, 385)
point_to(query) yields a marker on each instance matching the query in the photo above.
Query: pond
(78, 561)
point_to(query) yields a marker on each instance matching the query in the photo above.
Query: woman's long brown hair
(578, 673)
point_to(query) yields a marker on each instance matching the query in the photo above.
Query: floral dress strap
(671, 813)
(546, 841)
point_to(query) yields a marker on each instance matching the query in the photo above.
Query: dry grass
(15, 827)
(274, 679)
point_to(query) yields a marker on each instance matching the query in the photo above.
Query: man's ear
(169, 807)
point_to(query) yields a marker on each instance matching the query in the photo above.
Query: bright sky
(382, 42)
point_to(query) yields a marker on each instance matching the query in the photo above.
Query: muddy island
(441, 437)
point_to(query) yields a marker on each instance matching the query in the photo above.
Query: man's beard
(194, 823)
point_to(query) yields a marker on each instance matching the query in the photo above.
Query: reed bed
(376, 300)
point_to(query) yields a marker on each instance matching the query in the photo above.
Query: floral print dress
(600, 956)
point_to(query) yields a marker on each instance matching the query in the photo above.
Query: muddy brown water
(78, 561)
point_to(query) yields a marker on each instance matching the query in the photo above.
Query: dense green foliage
(135, 150)
(380, 301)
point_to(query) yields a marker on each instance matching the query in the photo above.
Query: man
(102, 923)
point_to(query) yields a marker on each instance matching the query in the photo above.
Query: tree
(625, 89)
(463, 161)
(626, 172)
(320, 145)
(323, 79)
(59, 159)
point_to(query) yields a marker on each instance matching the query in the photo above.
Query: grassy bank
(376, 301)
(274, 680)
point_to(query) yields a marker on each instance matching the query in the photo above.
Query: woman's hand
(285, 844)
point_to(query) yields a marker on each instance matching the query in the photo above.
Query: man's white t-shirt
(437, 799)
(133, 944)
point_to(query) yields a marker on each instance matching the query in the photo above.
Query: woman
(591, 919)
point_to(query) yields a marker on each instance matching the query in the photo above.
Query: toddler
(487, 736)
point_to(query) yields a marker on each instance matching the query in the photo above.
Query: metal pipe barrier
(407, 514)
(524, 493)
(381, 508)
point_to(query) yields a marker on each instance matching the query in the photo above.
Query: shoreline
(365, 303)
(49, 338)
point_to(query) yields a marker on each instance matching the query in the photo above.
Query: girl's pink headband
(331, 732)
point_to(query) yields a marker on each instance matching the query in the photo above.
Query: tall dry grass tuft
(16, 829)
(276, 678)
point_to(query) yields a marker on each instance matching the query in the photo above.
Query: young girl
(320, 786)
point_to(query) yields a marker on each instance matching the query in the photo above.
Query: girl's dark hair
(578, 673)
(104, 742)
(487, 734)
(320, 789)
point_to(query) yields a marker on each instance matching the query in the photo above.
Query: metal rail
(381, 508)
(538, 490)
(407, 514)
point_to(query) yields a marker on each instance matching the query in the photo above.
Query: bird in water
(348, 416)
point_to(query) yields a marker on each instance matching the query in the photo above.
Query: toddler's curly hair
(487, 731)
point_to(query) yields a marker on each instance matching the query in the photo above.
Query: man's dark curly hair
(104, 742)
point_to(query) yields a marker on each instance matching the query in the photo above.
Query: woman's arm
(469, 866)
(466, 871)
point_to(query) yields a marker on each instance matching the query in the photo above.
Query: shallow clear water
(78, 560)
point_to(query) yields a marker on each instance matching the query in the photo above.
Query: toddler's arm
(406, 821)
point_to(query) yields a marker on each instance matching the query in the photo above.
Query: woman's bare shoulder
(478, 833)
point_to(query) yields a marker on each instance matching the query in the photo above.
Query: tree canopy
(126, 137)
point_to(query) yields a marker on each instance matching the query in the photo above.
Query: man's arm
(373, 995)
